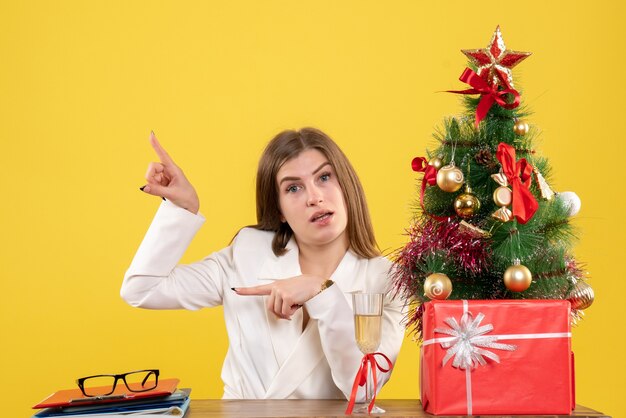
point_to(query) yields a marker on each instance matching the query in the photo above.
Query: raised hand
(167, 180)
(285, 297)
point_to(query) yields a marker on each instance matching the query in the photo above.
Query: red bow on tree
(489, 94)
(519, 175)
(420, 165)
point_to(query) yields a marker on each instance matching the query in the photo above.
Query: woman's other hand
(167, 180)
(285, 297)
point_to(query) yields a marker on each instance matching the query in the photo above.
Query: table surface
(405, 408)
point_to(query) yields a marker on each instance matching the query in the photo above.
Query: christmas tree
(488, 225)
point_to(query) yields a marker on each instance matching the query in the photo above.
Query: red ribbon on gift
(490, 94)
(519, 175)
(420, 165)
(361, 378)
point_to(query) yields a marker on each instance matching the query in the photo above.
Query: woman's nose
(315, 197)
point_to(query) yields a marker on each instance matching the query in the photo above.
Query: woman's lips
(322, 218)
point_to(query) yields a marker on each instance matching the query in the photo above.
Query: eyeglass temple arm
(143, 382)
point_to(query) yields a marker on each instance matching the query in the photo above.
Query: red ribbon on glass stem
(519, 175)
(489, 94)
(361, 379)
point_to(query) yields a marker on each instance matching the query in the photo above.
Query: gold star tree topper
(495, 62)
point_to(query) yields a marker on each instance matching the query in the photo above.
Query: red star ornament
(495, 62)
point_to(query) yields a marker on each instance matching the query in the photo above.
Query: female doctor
(285, 282)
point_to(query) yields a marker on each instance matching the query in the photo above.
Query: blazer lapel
(303, 357)
(283, 267)
(284, 334)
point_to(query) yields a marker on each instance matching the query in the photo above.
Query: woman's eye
(325, 177)
(292, 189)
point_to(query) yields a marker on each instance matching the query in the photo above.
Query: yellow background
(83, 83)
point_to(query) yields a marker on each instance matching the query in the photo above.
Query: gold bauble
(466, 205)
(436, 162)
(437, 286)
(449, 178)
(582, 296)
(502, 196)
(521, 127)
(517, 278)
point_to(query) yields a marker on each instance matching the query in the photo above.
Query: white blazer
(267, 358)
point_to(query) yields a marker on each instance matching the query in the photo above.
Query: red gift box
(510, 357)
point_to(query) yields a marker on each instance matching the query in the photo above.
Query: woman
(285, 282)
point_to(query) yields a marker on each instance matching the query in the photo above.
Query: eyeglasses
(104, 384)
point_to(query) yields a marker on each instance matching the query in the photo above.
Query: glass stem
(368, 385)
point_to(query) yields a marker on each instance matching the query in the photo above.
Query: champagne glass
(368, 312)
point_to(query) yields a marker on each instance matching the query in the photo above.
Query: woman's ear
(282, 218)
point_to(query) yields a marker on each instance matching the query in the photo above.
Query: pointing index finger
(160, 151)
(261, 290)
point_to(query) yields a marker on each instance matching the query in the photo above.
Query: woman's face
(311, 201)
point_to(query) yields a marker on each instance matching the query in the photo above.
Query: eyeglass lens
(139, 381)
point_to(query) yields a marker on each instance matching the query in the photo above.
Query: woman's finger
(160, 151)
(278, 306)
(260, 290)
(270, 305)
(287, 309)
(153, 169)
(155, 189)
(270, 301)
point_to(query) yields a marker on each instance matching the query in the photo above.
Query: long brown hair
(289, 144)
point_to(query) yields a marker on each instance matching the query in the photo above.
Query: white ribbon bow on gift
(468, 342)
